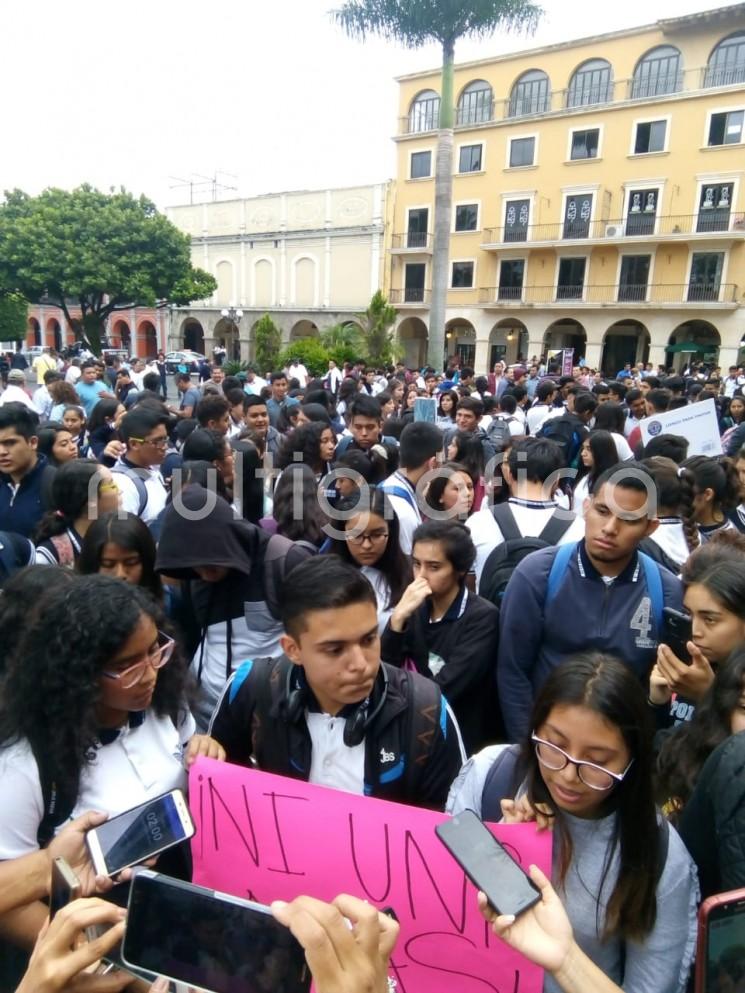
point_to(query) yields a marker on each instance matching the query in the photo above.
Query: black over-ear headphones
(357, 723)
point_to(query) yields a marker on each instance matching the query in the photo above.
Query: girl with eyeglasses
(369, 540)
(627, 882)
(94, 709)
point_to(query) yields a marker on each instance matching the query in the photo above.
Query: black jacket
(253, 726)
(21, 509)
(466, 641)
(713, 821)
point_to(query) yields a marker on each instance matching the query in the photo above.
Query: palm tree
(414, 23)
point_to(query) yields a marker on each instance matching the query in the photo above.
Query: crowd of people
(441, 589)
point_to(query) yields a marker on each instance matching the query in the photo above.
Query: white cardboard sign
(697, 422)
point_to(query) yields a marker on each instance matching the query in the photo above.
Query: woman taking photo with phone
(94, 716)
(714, 597)
(623, 875)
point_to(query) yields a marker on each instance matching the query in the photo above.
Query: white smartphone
(140, 833)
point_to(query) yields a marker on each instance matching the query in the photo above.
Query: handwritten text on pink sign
(267, 838)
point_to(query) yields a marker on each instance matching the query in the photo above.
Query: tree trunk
(443, 206)
(91, 330)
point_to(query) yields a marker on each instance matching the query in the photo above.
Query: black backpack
(504, 559)
(566, 434)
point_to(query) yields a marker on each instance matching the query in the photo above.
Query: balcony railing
(618, 293)
(426, 116)
(641, 225)
(413, 241)
(410, 294)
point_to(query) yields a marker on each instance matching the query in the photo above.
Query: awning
(690, 346)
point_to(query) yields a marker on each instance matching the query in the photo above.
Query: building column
(593, 354)
(534, 347)
(727, 357)
(481, 362)
(657, 355)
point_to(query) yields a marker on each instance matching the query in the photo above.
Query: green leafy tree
(13, 317)
(101, 252)
(347, 336)
(378, 320)
(310, 351)
(415, 23)
(268, 344)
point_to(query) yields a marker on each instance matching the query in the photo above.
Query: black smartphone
(488, 864)
(65, 886)
(140, 833)
(202, 938)
(678, 632)
(720, 956)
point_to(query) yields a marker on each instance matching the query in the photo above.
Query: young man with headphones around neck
(328, 711)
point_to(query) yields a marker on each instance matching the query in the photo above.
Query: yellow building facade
(598, 199)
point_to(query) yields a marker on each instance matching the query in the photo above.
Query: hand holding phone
(678, 632)
(487, 864)
(140, 833)
(65, 886)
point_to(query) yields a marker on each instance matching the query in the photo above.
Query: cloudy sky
(148, 92)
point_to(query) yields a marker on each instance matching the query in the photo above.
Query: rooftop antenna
(213, 186)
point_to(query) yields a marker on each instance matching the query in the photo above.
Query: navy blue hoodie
(586, 614)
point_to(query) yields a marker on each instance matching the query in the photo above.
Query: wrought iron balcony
(646, 294)
(642, 225)
(412, 241)
(411, 295)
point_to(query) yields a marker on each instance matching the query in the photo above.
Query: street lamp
(234, 316)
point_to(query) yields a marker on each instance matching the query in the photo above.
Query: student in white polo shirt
(94, 718)
(532, 473)
(419, 446)
(144, 431)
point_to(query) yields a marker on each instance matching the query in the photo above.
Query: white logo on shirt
(386, 756)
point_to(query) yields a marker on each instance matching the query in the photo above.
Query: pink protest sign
(267, 838)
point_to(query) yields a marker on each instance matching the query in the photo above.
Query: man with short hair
(572, 428)
(254, 384)
(25, 476)
(279, 386)
(733, 382)
(545, 395)
(189, 394)
(213, 413)
(90, 389)
(297, 370)
(420, 444)
(42, 398)
(217, 377)
(257, 419)
(137, 474)
(43, 363)
(532, 472)
(328, 711)
(637, 410)
(600, 595)
(73, 372)
(15, 391)
(365, 423)
(332, 380)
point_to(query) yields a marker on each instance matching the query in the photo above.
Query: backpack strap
(403, 493)
(559, 566)
(555, 529)
(502, 514)
(64, 548)
(653, 579)
(16, 552)
(138, 481)
(424, 707)
(499, 783)
(57, 805)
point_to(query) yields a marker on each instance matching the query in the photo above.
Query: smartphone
(678, 632)
(140, 833)
(65, 886)
(216, 942)
(720, 955)
(487, 864)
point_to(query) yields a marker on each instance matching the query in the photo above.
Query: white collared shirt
(333, 763)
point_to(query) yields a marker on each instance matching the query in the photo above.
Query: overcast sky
(134, 93)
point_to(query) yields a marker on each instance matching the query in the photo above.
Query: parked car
(34, 352)
(175, 361)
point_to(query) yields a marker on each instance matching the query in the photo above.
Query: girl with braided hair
(716, 493)
(677, 534)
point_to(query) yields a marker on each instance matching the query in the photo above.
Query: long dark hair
(106, 407)
(675, 492)
(127, 531)
(719, 565)
(608, 687)
(21, 593)
(454, 397)
(306, 441)
(309, 523)
(70, 489)
(436, 488)
(610, 417)
(469, 452)
(687, 747)
(47, 435)
(248, 484)
(604, 455)
(394, 565)
(49, 696)
(719, 475)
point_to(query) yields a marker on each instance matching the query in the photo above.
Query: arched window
(659, 71)
(592, 83)
(727, 62)
(531, 94)
(475, 104)
(425, 112)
